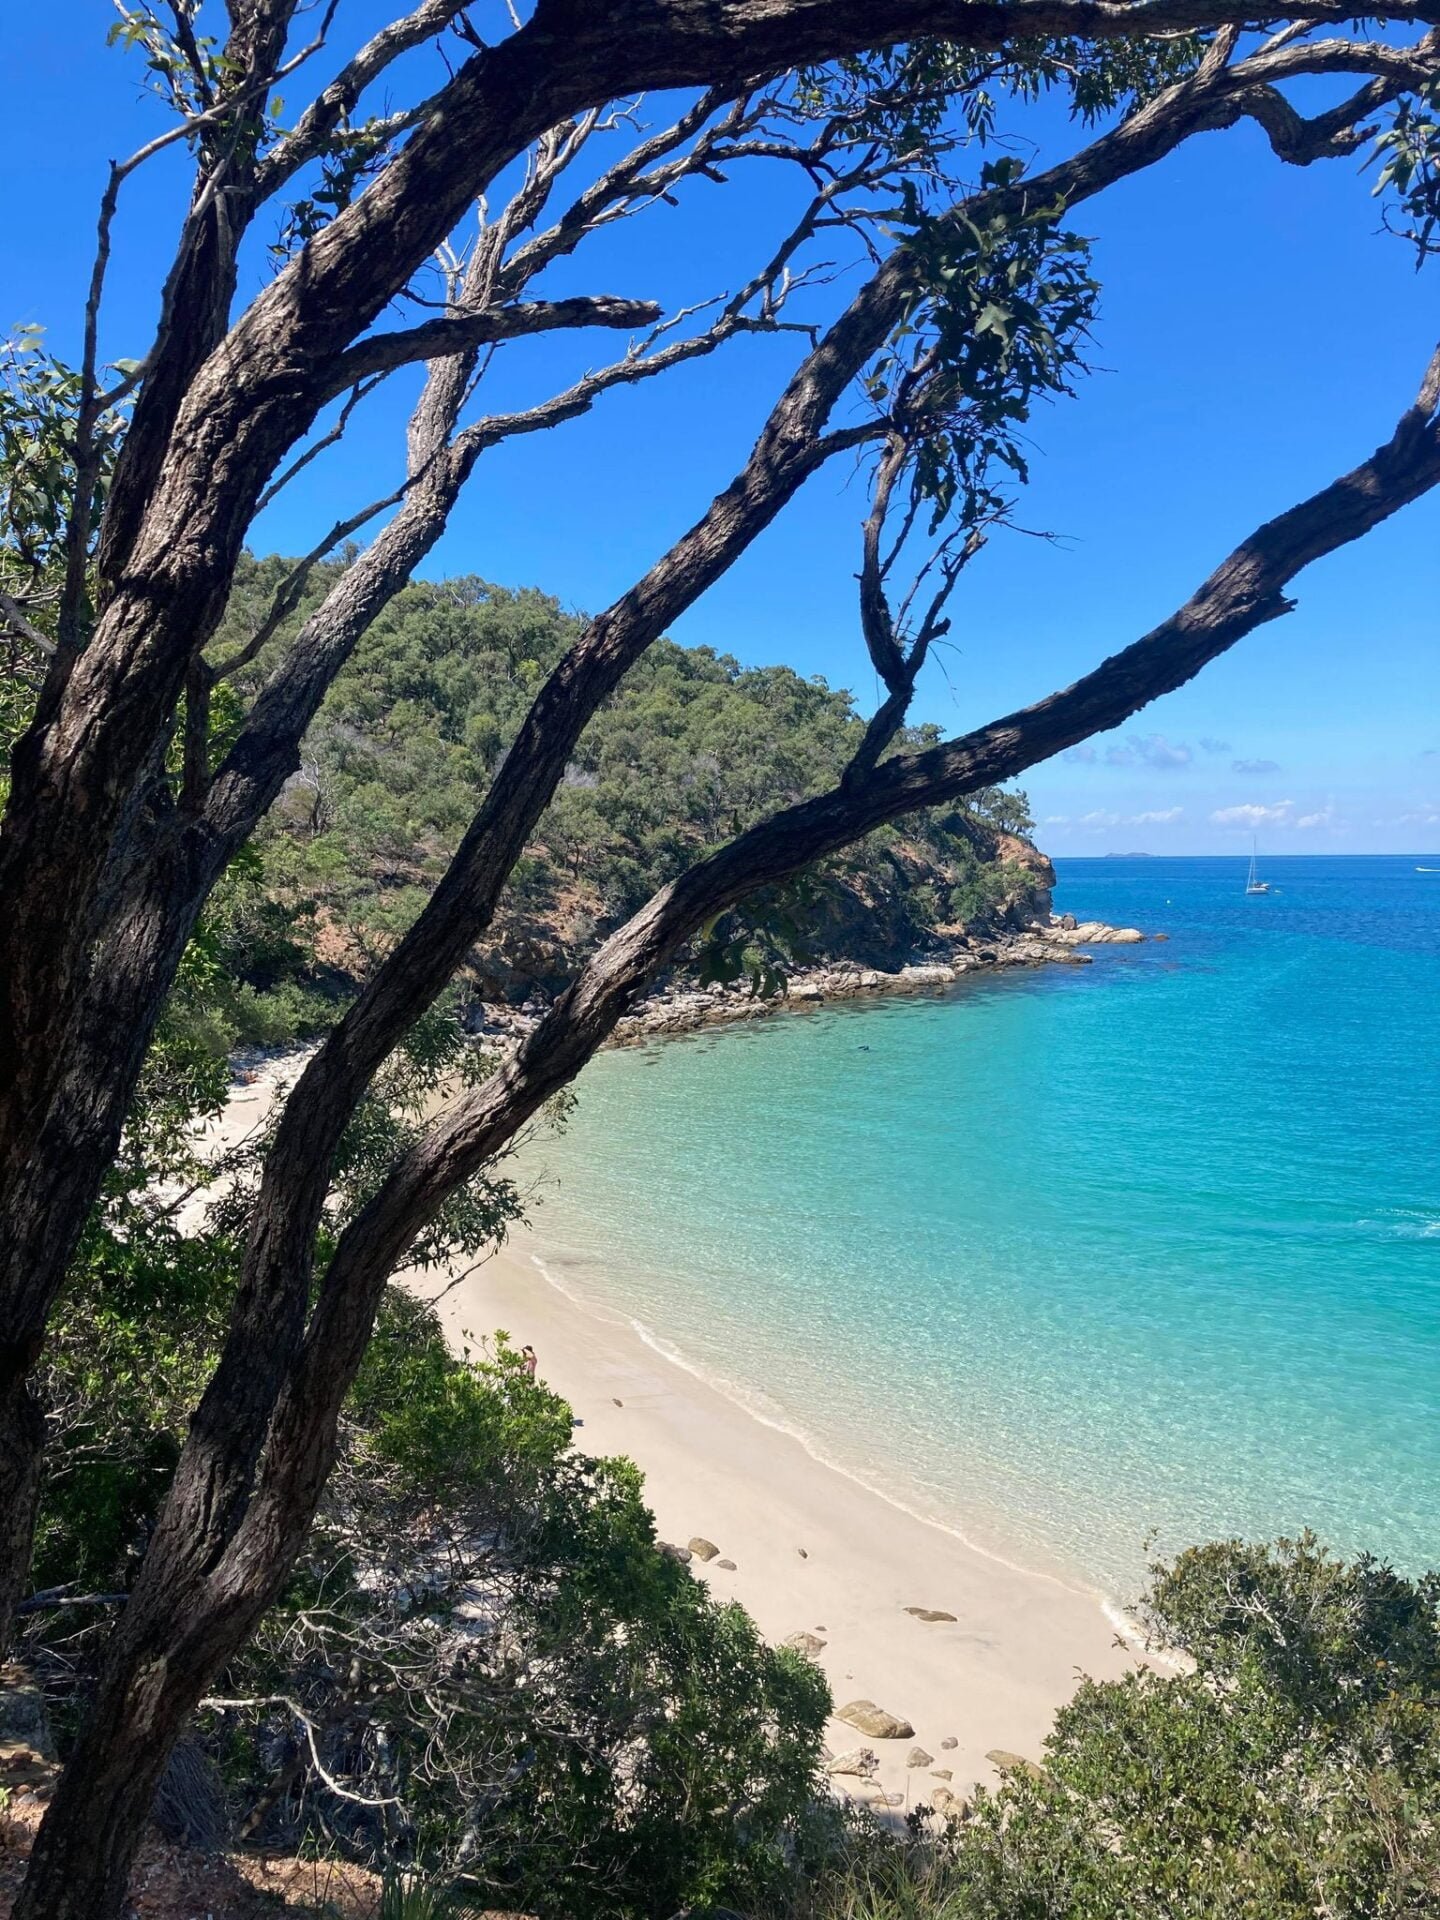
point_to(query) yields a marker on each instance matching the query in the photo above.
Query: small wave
(1125, 1625)
(1403, 1223)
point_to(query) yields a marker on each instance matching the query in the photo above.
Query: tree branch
(462, 332)
(1247, 590)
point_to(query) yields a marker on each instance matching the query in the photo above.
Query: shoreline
(810, 1549)
(677, 1008)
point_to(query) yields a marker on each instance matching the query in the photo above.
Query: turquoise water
(1071, 1257)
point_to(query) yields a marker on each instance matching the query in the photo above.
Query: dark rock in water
(702, 1548)
(880, 1725)
(728, 1565)
(929, 1613)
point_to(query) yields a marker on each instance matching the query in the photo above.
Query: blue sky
(1257, 335)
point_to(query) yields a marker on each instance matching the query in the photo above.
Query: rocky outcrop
(680, 1006)
(866, 1717)
(702, 1548)
(861, 1763)
(1093, 933)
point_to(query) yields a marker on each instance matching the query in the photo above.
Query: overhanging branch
(1247, 590)
(461, 332)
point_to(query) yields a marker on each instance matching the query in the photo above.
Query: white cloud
(1102, 818)
(1056, 820)
(1252, 816)
(1214, 746)
(1150, 749)
(1255, 766)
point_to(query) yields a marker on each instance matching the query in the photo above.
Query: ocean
(1086, 1263)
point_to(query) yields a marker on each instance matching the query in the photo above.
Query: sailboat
(1255, 884)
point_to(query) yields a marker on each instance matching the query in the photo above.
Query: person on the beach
(527, 1354)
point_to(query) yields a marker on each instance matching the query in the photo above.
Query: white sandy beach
(814, 1550)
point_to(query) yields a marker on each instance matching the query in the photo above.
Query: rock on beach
(866, 1717)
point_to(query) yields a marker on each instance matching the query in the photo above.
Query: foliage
(1409, 155)
(40, 406)
(691, 746)
(1295, 1770)
(487, 1670)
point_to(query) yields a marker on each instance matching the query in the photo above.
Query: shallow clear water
(1069, 1257)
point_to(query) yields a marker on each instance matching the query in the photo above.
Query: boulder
(1095, 933)
(807, 1643)
(941, 1773)
(860, 1762)
(728, 1565)
(917, 1757)
(929, 1613)
(866, 1717)
(682, 1554)
(702, 1548)
(943, 1800)
(949, 1743)
(1005, 1762)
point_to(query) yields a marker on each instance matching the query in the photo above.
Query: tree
(1290, 1770)
(135, 784)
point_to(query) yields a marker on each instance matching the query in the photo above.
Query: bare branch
(338, 100)
(26, 627)
(361, 391)
(292, 588)
(461, 332)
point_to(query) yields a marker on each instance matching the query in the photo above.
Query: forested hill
(691, 746)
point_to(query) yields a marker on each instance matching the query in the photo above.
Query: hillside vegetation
(690, 745)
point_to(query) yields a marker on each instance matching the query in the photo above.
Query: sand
(814, 1550)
